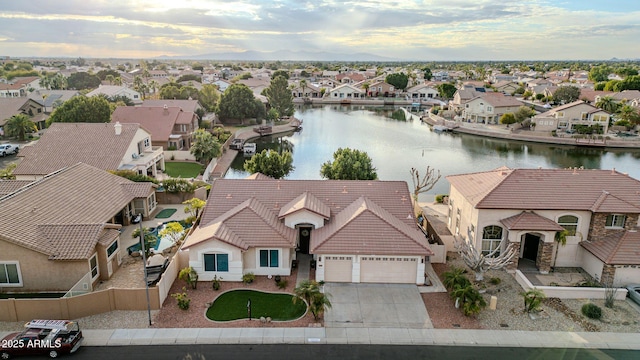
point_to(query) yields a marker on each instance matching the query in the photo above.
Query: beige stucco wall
(252, 262)
(196, 260)
(39, 274)
(591, 264)
(304, 217)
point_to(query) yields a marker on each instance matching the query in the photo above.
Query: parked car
(40, 337)
(633, 291)
(8, 149)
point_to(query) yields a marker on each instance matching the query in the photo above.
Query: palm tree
(309, 291)
(629, 113)
(19, 126)
(607, 104)
(110, 79)
(117, 81)
(303, 85)
(149, 239)
(366, 86)
(153, 85)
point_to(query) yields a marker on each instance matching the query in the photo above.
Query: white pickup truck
(8, 149)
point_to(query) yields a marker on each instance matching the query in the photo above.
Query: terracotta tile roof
(305, 201)
(618, 249)
(77, 196)
(65, 144)
(185, 105)
(140, 189)
(363, 227)
(500, 100)
(157, 120)
(527, 220)
(70, 241)
(9, 186)
(10, 107)
(235, 203)
(110, 232)
(259, 176)
(552, 189)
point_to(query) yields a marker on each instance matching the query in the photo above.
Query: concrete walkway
(550, 339)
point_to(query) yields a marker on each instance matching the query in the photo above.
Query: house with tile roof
(20, 87)
(422, 92)
(22, 105)
(115, 90)
(566, 117)
(171, 127)
(186, 105)
(65, 227)
(599, 209)
(105, 146)
(356, 231)
(487, 108)
(53, 98)
(345, 92)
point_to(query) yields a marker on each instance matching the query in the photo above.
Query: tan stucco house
(103, 145)
(356, 231)
(565, 117)
(487, 108)
(528, 207)
(64, 228)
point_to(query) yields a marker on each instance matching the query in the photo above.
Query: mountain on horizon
(283, 55)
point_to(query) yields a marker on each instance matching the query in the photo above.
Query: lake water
(397, 146)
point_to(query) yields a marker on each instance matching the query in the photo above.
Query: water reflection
(397, 146)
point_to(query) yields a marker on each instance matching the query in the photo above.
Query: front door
(530, 250)
(304, 234)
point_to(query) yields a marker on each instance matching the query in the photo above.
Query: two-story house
(21, 105)
(105, 146)
(566, 117)
(599, 209)
(170, 126)
(381, 88)
(489, 107)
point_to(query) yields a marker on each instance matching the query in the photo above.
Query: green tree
(83, 80)
(209, 97)
(427, 74)
(539, 96)
(19, 126)
(608, 104)
(599, 73)
(102, 74)
(398, 80)
(173, 230)
(523, 113)
(270, 163)
(446, 90)
(317, 301)
(149, 239)
(237, 102)
(629, 113)
(189, 77)
(629, 83)
(566, 94)
(194, 205)
(93, 109)
(507, 119)
(205, 146)
(349, 164)
(7, 172)
(279, 96)
(282, 73)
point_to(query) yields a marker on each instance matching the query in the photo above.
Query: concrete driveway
(376, 305)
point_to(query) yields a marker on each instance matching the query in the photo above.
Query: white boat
(249, 148)
(440, 128)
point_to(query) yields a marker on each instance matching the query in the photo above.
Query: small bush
(248, 278)
(592, 311)
(495, 280)
(455, 278)
(282, 284)
(532, 300)
(440, 198)
(183, 299)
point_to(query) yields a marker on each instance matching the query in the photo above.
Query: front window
(491, 238)
(147, 142)
(269, 258)
(112, 248)
(216, 262)
(10, 274)
(615, 221)
(93, 263)
(569, 223)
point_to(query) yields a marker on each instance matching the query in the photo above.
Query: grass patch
(165, 213)
(182, 169)
(232, 305)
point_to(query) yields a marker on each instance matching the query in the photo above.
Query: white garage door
(380, 269)
(338, 268)
(626, 276)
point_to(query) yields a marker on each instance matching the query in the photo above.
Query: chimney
(166, 109)
(118, 128)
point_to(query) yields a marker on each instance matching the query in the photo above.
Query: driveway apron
(376, 305)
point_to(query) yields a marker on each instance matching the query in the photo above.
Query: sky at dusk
(427, 30)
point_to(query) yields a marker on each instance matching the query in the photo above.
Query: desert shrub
(178, 185)
(532, 300)
(495, 280)
(440, 198)
(455, 278)
(248, 278)
(592, 311)
(282, 284)
(183, 299)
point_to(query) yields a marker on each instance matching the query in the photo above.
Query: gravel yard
(509, 313)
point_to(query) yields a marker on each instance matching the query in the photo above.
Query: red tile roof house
(103, 145)
(65, 227)
(527, 207)
(357, 231)
(170, 127)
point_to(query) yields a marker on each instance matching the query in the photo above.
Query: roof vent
(278, 184)
(118, 128)
(575, 171)
(344, 190)
(613, 171)
(229, 196)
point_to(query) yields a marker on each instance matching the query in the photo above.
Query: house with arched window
(596, 210)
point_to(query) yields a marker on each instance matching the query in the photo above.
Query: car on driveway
(633, 291)
(8, 149)
(43, 337)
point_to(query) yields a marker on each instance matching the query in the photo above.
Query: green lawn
(232, 305)
(182, 169)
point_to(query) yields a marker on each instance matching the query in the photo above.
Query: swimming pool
(161, 243)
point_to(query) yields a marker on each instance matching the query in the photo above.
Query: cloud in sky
(403, 29)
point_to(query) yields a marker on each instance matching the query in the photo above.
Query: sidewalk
(400, 336)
